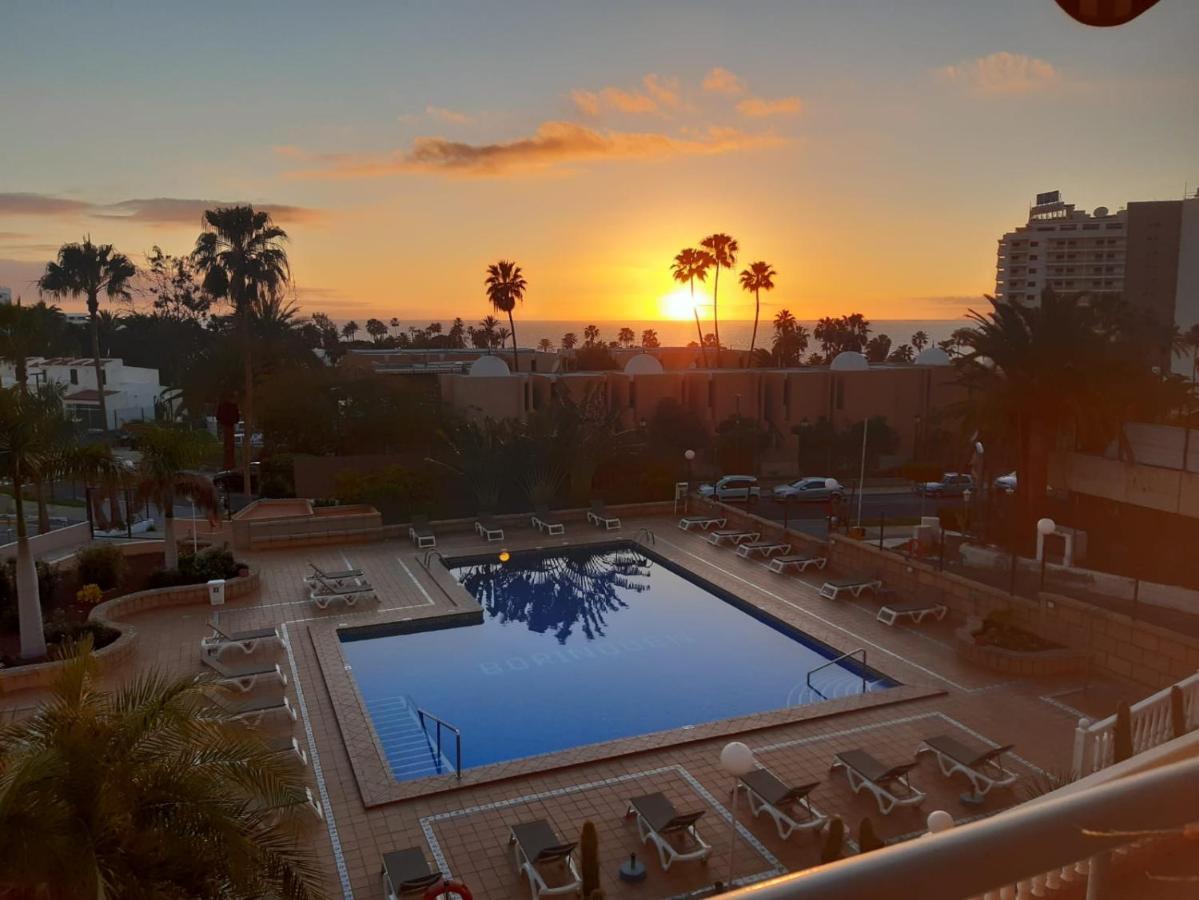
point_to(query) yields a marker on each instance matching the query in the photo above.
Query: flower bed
(1006, 648)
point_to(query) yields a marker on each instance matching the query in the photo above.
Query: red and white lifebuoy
(448, 888)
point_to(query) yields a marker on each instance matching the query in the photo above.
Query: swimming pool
(579, 646)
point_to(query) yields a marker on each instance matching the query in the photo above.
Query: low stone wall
(59, 540)
(1014, 662)
(41, 675)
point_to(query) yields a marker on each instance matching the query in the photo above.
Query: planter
(1059, 661)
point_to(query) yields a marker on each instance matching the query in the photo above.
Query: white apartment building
(130, 392)
(5, 296)
(1063, 248)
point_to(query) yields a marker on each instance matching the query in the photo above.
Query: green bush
(59, 633)
(101, 564)
(834, 841)
(197, 568)
(47, 581)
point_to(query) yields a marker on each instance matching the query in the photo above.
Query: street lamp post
(1045, 527)
(736, 759)
(688, 457)
(966, 495)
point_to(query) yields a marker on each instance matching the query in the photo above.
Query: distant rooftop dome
(850, 361)
(489, 366)
(643, 364)
(932, 356)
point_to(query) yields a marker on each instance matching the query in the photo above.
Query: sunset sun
(677, 305)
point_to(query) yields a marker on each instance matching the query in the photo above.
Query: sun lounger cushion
(967, 756)
(661, 816)
(539, 841)
(766, 785)
(871, 769)
(407, 871)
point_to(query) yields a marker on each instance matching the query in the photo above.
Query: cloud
(447, 115)
(1002, 73)
(763, 108)
(173, 210)
(552, 145)
(722, 81)
(14, 236)
(591, 103)
(24, 204)
(665, 91)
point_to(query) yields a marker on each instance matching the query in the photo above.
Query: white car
(953, 484)
(810, 488)
(732, 487)
(1006, 483)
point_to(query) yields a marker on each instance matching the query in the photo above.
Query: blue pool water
(580, 646)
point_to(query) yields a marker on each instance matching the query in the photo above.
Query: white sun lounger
(421, 534)
(254, 711)
(322, 598)
(702, 522)
(489, 529)
(888, 784)
(916, 611)
(245, 677)
(770, 795)
(855, 586)
(288, 744)
(763, 548)
(406, 873)
(222, 639)
(598, 516)
(781, 564)
(543, 521)
(536, 845)
(333, 579)
(733, 536)
(673, 834)
(982, 767)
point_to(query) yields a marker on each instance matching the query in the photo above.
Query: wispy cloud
(1002, 73)
(665, 91)
(721, 81)
(657, 94)
(764, 108)
(553, 145)
(26, 204)
(152, 210)
(447, 115)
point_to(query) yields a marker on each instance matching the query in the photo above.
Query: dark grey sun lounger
(763, 548)
(774, 797)
(406, 873)
(334, 578)
(702, 522)
(286, 743)
(253, 711)
(488, 528)
(244, 676)
(536, 844)
(780, 564)
(600, 517)
(222, 639)
(981, 766)
(543, 521)
(855, 586)
(888, 784)
(916, 610)
(421, 534)
(734, 535)
(673, 833)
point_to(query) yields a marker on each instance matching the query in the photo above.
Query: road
(812, 518)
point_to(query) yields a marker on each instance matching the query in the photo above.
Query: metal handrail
(422, 714)
(643, 533)
(429, 554)
(811, 672)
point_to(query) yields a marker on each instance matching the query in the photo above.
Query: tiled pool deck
(463, 828)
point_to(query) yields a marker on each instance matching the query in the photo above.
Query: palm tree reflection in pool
(559, 592)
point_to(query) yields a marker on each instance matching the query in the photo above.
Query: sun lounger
(222, 639)
(598, 516)
(855, 586)
(489, 529)
(763, 548)
(982, 767)
(702, 522)
(406, 873)
(673, 834)
(781, 564)
(733, 536)
(333, 579)
(888, 784)
(287, 743)
(535, 845)
(421, 534)
(543, 521)
(254, 711)
(770, 795)
(322, 597)
(244, 677)
(917, 611)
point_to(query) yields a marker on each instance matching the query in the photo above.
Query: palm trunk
(699, 332)
(29, 603)
(43, 511)
(170, 547)
(754, 337)
(512, 328)
(93, 312)
(247, 438)
(715, 313)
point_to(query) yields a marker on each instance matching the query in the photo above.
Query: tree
(349, 329)
(625, 337)
(162, 476)
(591, 335)
(842, 334)
(88, 270)
(878, 348)
(505, 288)
(790, 339)
(919, 340)
(690, 264)
(902, 354)
(395, 324)
(723, 250)
(545, 345)
(147, 791)
(649, 339)
(757, 278)
(241, 255)
(175, 285)
(376, 329)
(569, 340)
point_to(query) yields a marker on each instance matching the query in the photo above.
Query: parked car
(1006, 483)
(732, 487)
(810, 487)
(953, 484)
(230, 481)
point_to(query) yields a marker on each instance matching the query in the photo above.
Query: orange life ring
(457, 888)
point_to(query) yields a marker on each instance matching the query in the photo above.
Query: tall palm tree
(506, 285)
(241, 255)
(89, 270)
(690, 264)
(147, 791)
(723, 249)
(162, 475)
(757, 278)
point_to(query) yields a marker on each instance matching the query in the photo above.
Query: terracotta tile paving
(464, 828)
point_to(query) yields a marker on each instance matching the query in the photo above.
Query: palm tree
(626, 336)
(147, 791)
(505, 288)
(920, 340)
(690, 264)
(757, 278)
(241, 255)
(349, 329)
(723, 249)
(569, 340)
(162, 476)
(649, 339)
(545, 345)
(591, 335)
(88, 270)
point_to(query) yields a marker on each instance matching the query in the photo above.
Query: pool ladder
(831, 662)
(429, 556)
(423, 714)
(644, 535)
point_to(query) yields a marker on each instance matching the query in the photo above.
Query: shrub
(1122, 733)
(834, 841)
(61, 633)
(101, 564)
(89, 594)
(589, 852)
(197, 568)
(1178, 713)
(868, 838)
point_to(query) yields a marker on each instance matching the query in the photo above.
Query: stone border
(40, 675)
(1059, 661)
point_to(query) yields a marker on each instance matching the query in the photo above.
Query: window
(1031, 284)
(74, 376)
(1090, 228)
